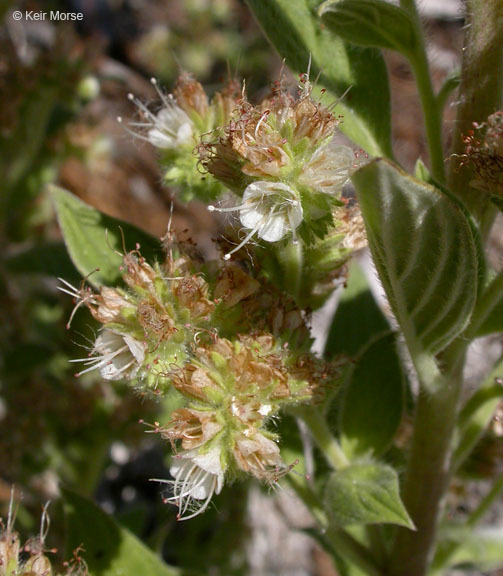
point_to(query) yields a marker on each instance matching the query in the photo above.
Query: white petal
(160, 139)
(272, 208)
(250, 216)
(274, 228)
(184, 133)
(202, 491)
(210, 461)
(137, 349)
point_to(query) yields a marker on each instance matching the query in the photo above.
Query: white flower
(115, 355)
(169, 128)
(197, 476)
(270, 209)
(329, 168)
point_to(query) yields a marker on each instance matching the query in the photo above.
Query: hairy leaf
(488, 314)
(466, 547)
(95, 240)
(48, 258)
(294, 28)
(373, 399)
(365, 494)
(372, 23)
(424, 251)
(477, 414)
(358, 318)
(109, 549)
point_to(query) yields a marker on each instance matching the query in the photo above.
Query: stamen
(247, 238)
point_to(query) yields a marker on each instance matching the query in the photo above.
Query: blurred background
(62, 87)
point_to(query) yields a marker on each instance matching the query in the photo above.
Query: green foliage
(498, 202)
(110, 550)
(373, 399)
(46, 258)
(487, 316)
(372, 23)
(371, 404)
(293, 28)
(425, 253)
(476, 415)
(365, 493)
(358, 318)
(466, 548)
(95, 241)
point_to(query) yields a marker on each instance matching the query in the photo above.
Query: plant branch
(323, 436)
(350, 548)
(431, 110)
(495, 492)
(480, 92)
(428, 468)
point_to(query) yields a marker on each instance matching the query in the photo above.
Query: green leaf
(109, 549)
(365, 494)
(294, 29)
(94, 240)
(477, 414)
(450, 84)
(372, 23)
(487, 316)
(373, 399)
(424, 251)
(48, 258)
(469, 548)
(422, 173)
(358, 318)
(498, 202)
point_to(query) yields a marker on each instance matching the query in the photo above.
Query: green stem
(495, 492)
(431, 110)
(428, 468)
(449, 85)
(476, 415)
(377, 542)
(350, 548)
(444, 554)
(323, 436)
(310, 499)
(480, 94)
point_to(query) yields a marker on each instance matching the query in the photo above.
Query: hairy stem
(322, 436)
(431, 110)
(494, 493)
(428, 469)
(350, 548)
(480, 94)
